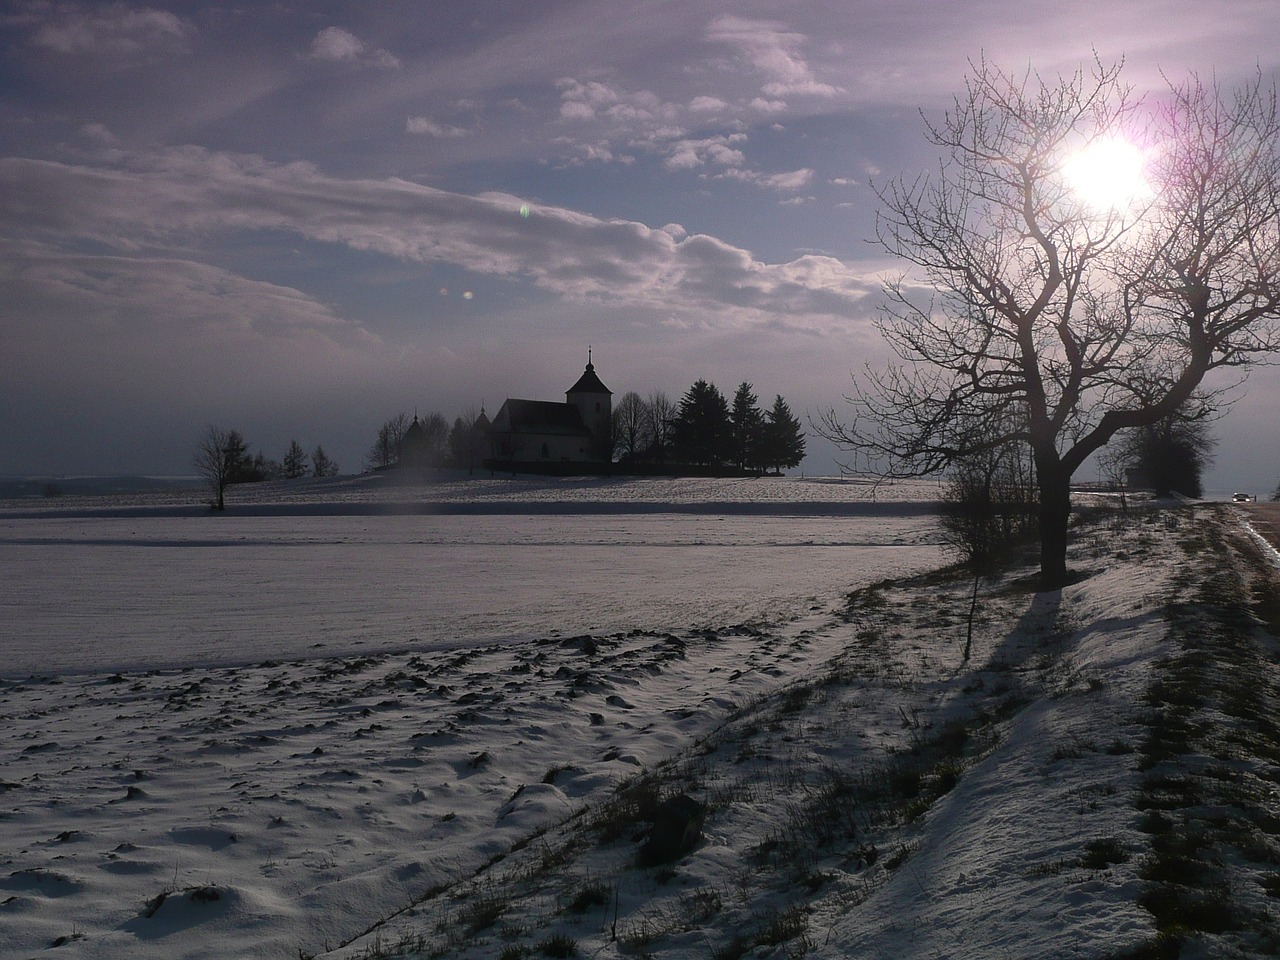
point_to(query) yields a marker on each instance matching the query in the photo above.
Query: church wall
(533, 447)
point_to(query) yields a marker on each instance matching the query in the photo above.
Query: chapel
(553, 436)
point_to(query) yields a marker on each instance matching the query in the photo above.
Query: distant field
(454, 491)
(358, 567)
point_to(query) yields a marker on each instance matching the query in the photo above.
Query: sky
(299, 219)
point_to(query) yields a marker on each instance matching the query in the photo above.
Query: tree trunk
(1055, 512)
(973, 609)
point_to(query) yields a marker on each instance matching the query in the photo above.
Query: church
(544, 436)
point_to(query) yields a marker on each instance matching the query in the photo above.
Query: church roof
(540, 416)
(589, 383)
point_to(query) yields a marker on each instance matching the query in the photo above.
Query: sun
(1108, 175)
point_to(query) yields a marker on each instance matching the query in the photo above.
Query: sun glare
(1108, 174)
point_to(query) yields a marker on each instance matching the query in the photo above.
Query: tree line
(706, 431)
(461, 445)
(222, 459)
(703, 431)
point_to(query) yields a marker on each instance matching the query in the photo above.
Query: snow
(345, 566)
(356, 732)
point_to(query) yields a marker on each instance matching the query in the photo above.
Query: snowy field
(359, 721)
(135, 592)
(183, 691)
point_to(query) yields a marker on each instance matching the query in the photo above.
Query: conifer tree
(296, 461)
(746, 429)
(783, 438)
(321, 465)
(700, 430)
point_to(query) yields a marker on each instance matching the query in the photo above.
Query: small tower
(595, 403)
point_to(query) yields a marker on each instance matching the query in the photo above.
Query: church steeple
(588, 382)
(594, 402)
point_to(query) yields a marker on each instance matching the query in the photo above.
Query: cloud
(182, 196)
(647, 123)
(99, 134)
(762, 105)
(772, 51)
(637, 112)
(337, 45)
(785, 182)
(430, 128)
(708, 105)
(163, 318)
(334, 43)
(687, 154)
(112, 29)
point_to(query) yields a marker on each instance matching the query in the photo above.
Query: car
(1243, 498)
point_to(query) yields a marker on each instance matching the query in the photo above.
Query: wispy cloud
(160, 319)
(640, 121)
(178, 195)
(110, 29)
(786, 182)
(430, 128)
(774, 52)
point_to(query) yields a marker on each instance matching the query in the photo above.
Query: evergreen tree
(296, 461)
(241, 466)
(321, 465)
(746, 429)
(700, 431)
(783, 438)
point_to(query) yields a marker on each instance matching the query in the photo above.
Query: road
(1265, 518)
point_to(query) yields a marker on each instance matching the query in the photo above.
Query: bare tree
(386, 447)
(662, 412)
(213, 461)
(630, 427)
(1065, 320)
(435, 435)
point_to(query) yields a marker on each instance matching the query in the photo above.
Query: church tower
(595, 403)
